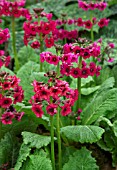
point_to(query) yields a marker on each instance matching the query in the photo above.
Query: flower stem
(14, 45)
(0, 125)
(52, 142)
(59, 141)
(41, 50)
(79, 86)
(58, 127)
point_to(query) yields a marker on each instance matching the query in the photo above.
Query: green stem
(0, 125)
(59, 141)
(92, 34)
(58, 127)
(52, 142)
(62, 136)
(41, 50)
(14, 45)
(78, 104)
(92, 38)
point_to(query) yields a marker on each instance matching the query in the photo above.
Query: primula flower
(51, 109)
(6, 102)
(103, 22)
(35, 44)
(7, 118)
(6, 85)
(75, 72)
(88, 24)
(18, 115)
(80, 22)
(65, 69)
(66, 110)
(92, 69)
(37, 109)
(54, 60)
(84, 72)
(49, 42)
(112, 45)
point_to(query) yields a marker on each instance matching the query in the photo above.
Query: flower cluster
(84, 23)
(70, 58)
(61, 34)
(4, 35)
(89, 24)
(44, 30)
(91, 6)
(14, 9)
(49, 58)
(55, 94)
(10, 94)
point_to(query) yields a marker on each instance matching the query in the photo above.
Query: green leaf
(27, 53)
(89, 90)
(105, 120)
(115, 74)
(83, 133)
(35, 140)
(28, 73)
(115, 127)
(106, 85)
(84, 81)
(98, 106)
(9, 148)
(81, 160)
(23, 154)
(38, 162)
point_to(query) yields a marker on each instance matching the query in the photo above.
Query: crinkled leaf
(23, 154)
(83, 133)
(89, 90)
(83, 81)
(9, 149)
(38, 162)
(27, 53)
(106, 85)
(28, 73)
(99, 106)
(81, 160)
(35, 140)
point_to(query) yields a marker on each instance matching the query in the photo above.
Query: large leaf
(83, 133)
(35, 140)
(38, 162)
(89, 90)
(115, 127)
(9, 148)
(28, 73)
(27, 53)
(81, 160)
(106, 85)
(99, 106)
(23, 154)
